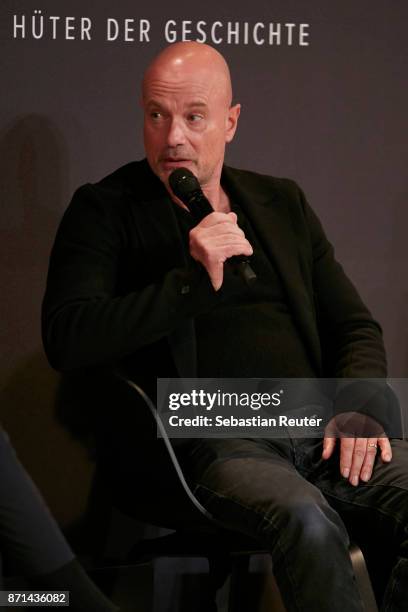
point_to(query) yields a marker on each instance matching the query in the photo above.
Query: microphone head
(183, 183)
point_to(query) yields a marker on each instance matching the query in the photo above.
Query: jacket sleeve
(85, 322)
(351, 339)
(352, 343)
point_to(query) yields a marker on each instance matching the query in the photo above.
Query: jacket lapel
(268, 214)
(160, 227)
(182, 340)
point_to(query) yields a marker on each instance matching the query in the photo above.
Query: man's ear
(232, 122)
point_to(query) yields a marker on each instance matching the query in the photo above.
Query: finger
(237, 248)
(215, 218)
(346, 456)
(216, 274)
(217, 231)
(386, 450)
(368, 463)
(359, 454)
(221, 229)
(227, 238)
(328, 447)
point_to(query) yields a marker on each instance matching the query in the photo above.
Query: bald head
(188, 117)
(184, 59)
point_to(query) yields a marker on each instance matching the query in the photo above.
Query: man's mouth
(174, 162)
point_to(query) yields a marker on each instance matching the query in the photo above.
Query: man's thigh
(253, 486)
(383, 498)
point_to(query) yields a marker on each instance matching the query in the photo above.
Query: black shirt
(250, 334)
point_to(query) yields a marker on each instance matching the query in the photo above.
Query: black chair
(196, 533)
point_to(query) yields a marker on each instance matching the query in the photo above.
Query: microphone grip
(200, 207)
(241, 264)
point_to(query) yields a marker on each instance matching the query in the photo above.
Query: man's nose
(176, 134)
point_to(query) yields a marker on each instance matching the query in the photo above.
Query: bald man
(187, 98)
(134, 284)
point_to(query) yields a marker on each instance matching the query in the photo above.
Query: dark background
(331, 115)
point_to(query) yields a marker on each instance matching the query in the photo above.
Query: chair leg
(363, 579)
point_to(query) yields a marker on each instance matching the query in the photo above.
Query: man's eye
(156, 115)
(195, 117)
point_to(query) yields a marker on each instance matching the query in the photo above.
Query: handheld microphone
(186, 187)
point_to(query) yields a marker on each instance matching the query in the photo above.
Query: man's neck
(219, 199)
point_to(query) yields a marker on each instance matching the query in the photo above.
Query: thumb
(216, 274)
(328, 447)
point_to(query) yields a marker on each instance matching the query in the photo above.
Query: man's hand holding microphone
(217, 237)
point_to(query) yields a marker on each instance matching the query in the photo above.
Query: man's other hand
(357, 453)
(214, 240)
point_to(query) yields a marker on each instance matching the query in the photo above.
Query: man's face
(187, 122)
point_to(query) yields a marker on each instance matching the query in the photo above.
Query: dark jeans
(282, 493)
(30, 539)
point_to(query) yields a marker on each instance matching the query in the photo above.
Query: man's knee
(309, 523)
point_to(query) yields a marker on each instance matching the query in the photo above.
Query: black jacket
(121, 280)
